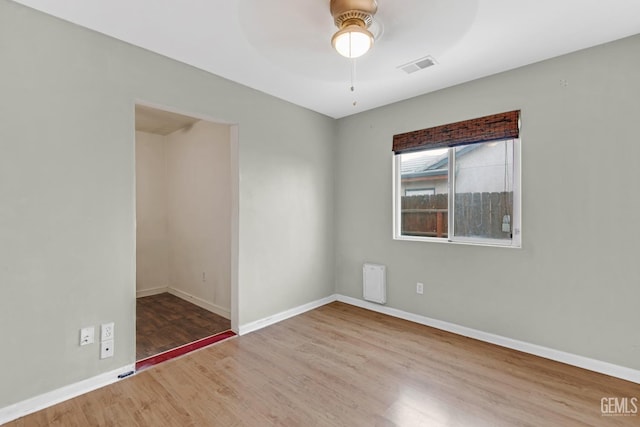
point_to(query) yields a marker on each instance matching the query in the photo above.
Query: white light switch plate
(87, 335)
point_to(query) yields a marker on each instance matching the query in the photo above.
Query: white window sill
(475, 242)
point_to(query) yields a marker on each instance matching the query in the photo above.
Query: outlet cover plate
(106, 331)
(87, 335)
(106, 349)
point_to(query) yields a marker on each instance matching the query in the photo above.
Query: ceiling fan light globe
(352, 41)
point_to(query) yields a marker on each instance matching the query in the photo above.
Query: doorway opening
(185, 207)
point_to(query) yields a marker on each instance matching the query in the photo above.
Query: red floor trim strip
(183, 349)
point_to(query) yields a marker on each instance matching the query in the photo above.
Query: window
(460, 192)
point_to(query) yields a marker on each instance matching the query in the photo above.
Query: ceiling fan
(353, 18)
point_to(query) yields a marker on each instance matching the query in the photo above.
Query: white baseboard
(150, 292)
(261, 323)
(45, 400)
(220, 311)
(606, 368)
(29, 406)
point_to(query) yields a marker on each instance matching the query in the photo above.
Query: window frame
(516, 217)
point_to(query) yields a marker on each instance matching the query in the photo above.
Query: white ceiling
(282, 47)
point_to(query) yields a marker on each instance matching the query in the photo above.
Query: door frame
(234, 163)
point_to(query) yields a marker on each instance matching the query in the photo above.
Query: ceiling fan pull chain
(353, 78)
(353, 74)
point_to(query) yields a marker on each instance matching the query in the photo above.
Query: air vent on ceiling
(418, 64)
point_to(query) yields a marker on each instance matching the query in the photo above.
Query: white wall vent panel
(374, 283)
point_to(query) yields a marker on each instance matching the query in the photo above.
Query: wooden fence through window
(477, 214)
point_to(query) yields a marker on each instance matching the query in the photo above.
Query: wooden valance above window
(483, 129)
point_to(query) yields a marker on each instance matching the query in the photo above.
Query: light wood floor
(344, 366)
(164, 322)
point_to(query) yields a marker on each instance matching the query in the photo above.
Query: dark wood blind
(483, 129)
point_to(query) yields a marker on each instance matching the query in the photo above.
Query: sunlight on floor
(416, 407)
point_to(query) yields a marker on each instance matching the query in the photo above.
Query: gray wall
(67, 219)
(574, 285)
(67, 202)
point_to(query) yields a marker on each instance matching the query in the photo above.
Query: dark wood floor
(165, 321)
(340, 365)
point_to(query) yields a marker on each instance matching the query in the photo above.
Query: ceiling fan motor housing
(348, 12)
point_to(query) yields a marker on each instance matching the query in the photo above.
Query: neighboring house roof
(419, 167)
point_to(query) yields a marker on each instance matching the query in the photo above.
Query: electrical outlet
(106, 331)
(106, 349)
(419, 288)
(87, 335)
